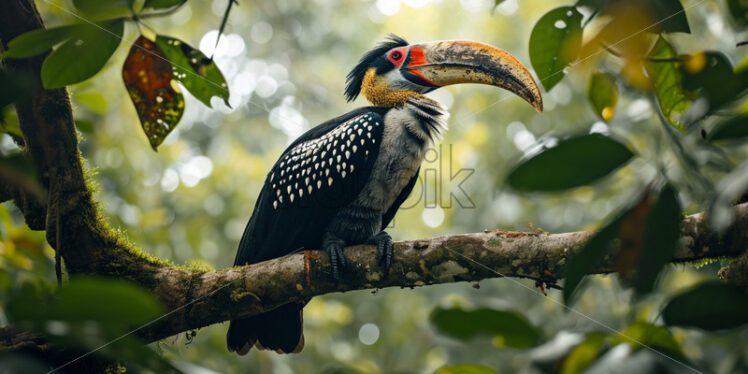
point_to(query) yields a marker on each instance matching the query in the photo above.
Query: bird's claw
(334, 247)
(383, 241)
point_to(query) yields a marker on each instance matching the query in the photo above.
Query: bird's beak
(450, 62)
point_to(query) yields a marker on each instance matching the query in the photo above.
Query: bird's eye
(397, 55)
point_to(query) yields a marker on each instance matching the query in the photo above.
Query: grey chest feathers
(408, 132)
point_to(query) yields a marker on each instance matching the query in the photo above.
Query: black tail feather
(280, 330)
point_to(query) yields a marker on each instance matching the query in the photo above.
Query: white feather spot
(319, 184)
(347, 154)
(329, 181)
(343, 173)
(291, 197)
(355, 148)
(275, 204)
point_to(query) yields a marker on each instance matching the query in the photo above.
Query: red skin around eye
(397, 62)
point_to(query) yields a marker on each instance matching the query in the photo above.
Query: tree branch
(218, 296)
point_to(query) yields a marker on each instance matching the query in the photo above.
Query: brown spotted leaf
(154, 92)
(631, 235)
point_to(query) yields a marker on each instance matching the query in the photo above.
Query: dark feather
(280, 226)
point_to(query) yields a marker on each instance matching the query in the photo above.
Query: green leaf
(667, 15)
(641, 334)
(572, 163)
(732, 128)
(667, 82)
(12, 362)
(9, 123)
(660, 239)
(194, 70)
(584, 354)
(38, 41)
(92, 100)
(466, 369)
(89, 49)
(98, 9)
(554, 43)
(603, 95)
(84, 126)
(584, 262)
(739, 11)
(510, 328)
(116, 302)
(711, 75)
(162, 4)
(670, 15)
(709, 305)
(93, 314)
(149, 80)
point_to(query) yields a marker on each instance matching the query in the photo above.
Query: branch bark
(218, 296)
(200, 298)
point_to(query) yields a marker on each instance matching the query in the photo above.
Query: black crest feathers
(356, 77)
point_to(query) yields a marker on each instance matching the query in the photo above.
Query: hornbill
(341, 182)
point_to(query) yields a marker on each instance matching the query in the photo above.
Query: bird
(341, 183)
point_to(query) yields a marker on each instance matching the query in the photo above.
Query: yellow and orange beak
(442, 63)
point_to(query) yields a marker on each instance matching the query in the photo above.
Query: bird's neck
(428, 117)
(379, 93)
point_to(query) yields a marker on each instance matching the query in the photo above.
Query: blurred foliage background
(285, 63)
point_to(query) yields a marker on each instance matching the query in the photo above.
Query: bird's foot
(334, 247)
(383, 241)
(546, 279)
